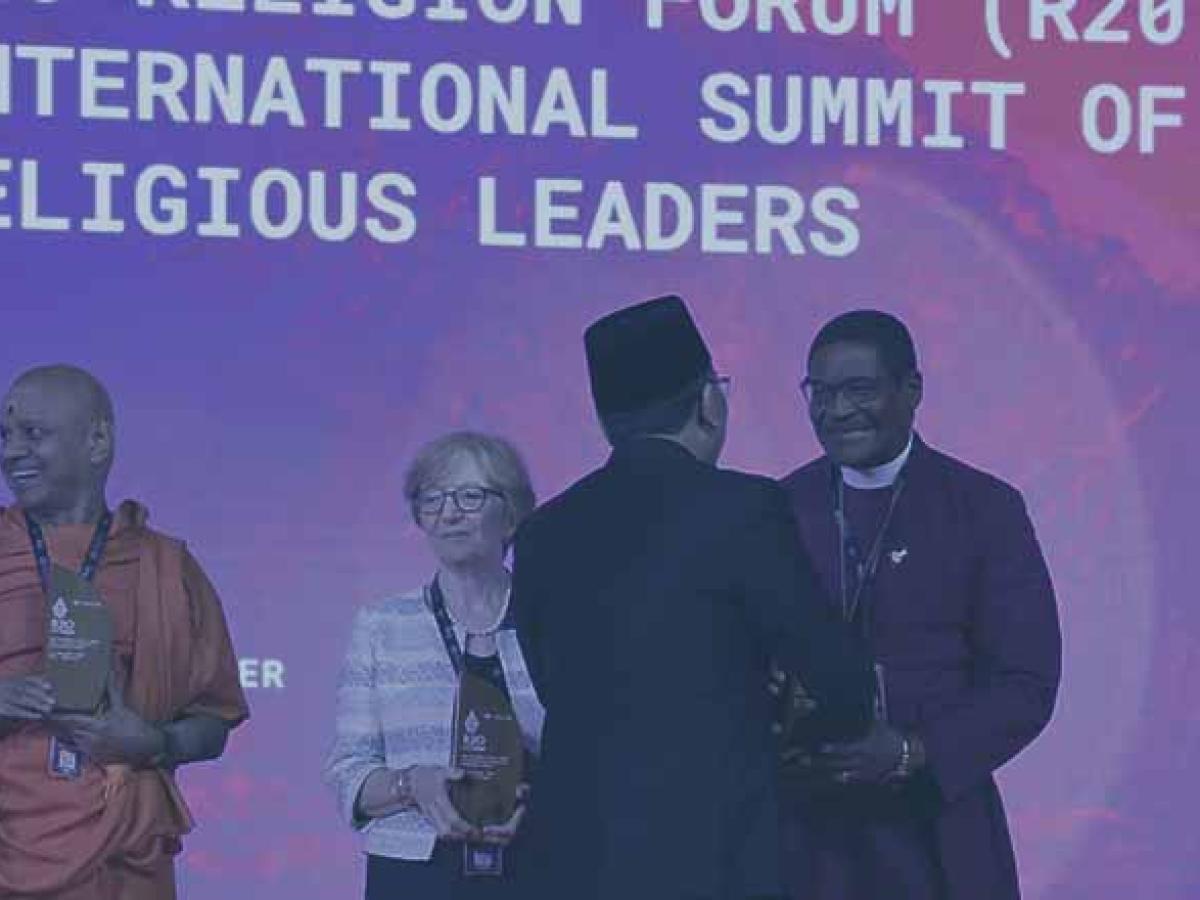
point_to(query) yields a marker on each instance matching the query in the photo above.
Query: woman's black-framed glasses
(468, 498)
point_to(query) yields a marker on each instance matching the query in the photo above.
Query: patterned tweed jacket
(395, 705)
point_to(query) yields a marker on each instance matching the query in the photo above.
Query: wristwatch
(402, 787)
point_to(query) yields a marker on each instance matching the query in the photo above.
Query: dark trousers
(861, 844)
(440, 878)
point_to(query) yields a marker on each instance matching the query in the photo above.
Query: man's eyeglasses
(469, 498)
(725, 382)
(857, 391)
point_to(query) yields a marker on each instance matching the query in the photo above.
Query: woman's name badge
(483, 859)
(65, 761)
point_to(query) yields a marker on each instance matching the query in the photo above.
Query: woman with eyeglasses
(391, 760)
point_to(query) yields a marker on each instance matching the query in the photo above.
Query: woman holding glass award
(436, 715)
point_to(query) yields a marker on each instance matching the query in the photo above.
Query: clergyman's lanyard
(91, 561)
(856, 572)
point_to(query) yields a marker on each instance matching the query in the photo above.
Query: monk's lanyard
(91, 562)
(856, 572)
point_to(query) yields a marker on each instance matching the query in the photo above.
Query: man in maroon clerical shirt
(936, 563)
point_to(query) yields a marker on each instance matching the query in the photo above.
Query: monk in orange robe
(108, 827)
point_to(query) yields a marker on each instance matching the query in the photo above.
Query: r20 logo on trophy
(472, 740)
(60, 623)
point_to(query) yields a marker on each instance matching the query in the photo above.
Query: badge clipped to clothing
(65, 761)
(483, 859)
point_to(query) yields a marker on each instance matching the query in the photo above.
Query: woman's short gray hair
(500, 461)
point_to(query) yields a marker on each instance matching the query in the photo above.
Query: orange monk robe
(101, 837)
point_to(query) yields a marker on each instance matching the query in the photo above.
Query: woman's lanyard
(437, 605)
(856, 573)
(91, 561)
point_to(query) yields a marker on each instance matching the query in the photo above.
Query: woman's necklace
(492, 627)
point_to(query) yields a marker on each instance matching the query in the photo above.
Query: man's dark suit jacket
(965, 624)
(649, 599)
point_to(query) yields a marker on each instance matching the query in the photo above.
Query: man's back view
(651, 598)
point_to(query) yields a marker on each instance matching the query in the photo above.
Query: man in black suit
(650, 599)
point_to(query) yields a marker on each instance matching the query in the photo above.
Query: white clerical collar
(879, 476)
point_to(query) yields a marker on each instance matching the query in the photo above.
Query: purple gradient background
(269, 394)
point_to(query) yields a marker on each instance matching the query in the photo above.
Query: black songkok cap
(644, 354)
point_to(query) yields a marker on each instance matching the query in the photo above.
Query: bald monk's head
(57, 433)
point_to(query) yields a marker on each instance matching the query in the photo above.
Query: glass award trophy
(488, 748)
(793, 705)
(79, 641)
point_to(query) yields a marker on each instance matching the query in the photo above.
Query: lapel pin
(898, 555)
